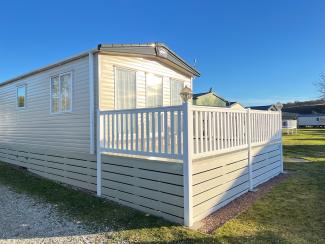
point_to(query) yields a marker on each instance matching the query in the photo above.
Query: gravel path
(25, 220)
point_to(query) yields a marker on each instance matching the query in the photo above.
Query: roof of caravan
(311, 115)
(154, 50)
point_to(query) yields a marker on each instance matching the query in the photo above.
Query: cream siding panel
(142, 66)
(166, 91)
(141, 89)
(35, 125)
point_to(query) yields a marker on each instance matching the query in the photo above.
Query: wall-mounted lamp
(186, 94)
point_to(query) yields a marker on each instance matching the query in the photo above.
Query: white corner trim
(91, 102)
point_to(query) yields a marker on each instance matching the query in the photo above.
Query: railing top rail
(264, 112)
(143, 110)
(216, 109)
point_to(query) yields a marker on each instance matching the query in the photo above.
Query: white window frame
(71, 88)
(25, 101)
(170, 88)
(146, 86)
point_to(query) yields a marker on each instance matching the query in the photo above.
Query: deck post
(187, 163)
(281, 146)
(249, 149)
(98, 156)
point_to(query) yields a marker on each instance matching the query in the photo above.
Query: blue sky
(254, 52)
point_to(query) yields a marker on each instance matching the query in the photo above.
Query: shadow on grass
(259, 237)
(317, 151)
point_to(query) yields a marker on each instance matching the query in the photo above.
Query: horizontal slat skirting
(80, 173)
(49, 152)
(145, 174)
(144, 192)
(143, 201)
(266, 162)
(218, 190)
(203, 214)
(268, 167)
(266, 176)
(215, 161)
(259, 150)
(218, 200)
(223, 169)
(146, 210)
(145, 184)
(206, 185)
(65, 180)
(154, 165)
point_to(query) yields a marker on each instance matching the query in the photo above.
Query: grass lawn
(293, 212)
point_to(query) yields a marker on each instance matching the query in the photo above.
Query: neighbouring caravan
(111, 120)
(311, 120)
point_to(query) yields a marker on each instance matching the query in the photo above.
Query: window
(125, 88)
(61, 93)
(317, 119)
(154, 87)
(21, 96)
(175, 90)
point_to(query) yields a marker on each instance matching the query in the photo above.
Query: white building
(311, 120)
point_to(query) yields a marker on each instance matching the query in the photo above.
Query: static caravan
(311, 120)
(112, 120)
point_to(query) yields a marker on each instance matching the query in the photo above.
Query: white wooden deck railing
(158, 132)
(185, 132)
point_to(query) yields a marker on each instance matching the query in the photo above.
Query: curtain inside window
(65, 81)
(21, 93)
(175, 90)
(55, 94)
(154, 86)
(125, 89)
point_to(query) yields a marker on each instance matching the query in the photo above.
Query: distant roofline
(103, 48)
(196, 95)
(310, 115)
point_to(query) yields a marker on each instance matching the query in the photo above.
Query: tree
(321, 86)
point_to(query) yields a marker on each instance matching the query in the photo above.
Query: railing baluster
(127, 131)
(136, 121)
(104, 130)
(214, 131)
(179, 133)
(153, 141)
(218, 129)
(122, 131)
(205, 132)
(209, 132)
(113, 130)
(201, 126)
(142, 133)
(131, 125)
(166, 131)
(147, 132)
(196, 121)
(159, 131)
(172, 132)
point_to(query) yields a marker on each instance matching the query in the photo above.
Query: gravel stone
(27, 220)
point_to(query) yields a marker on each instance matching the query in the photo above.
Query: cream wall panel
(35, 125)
(142, 66)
